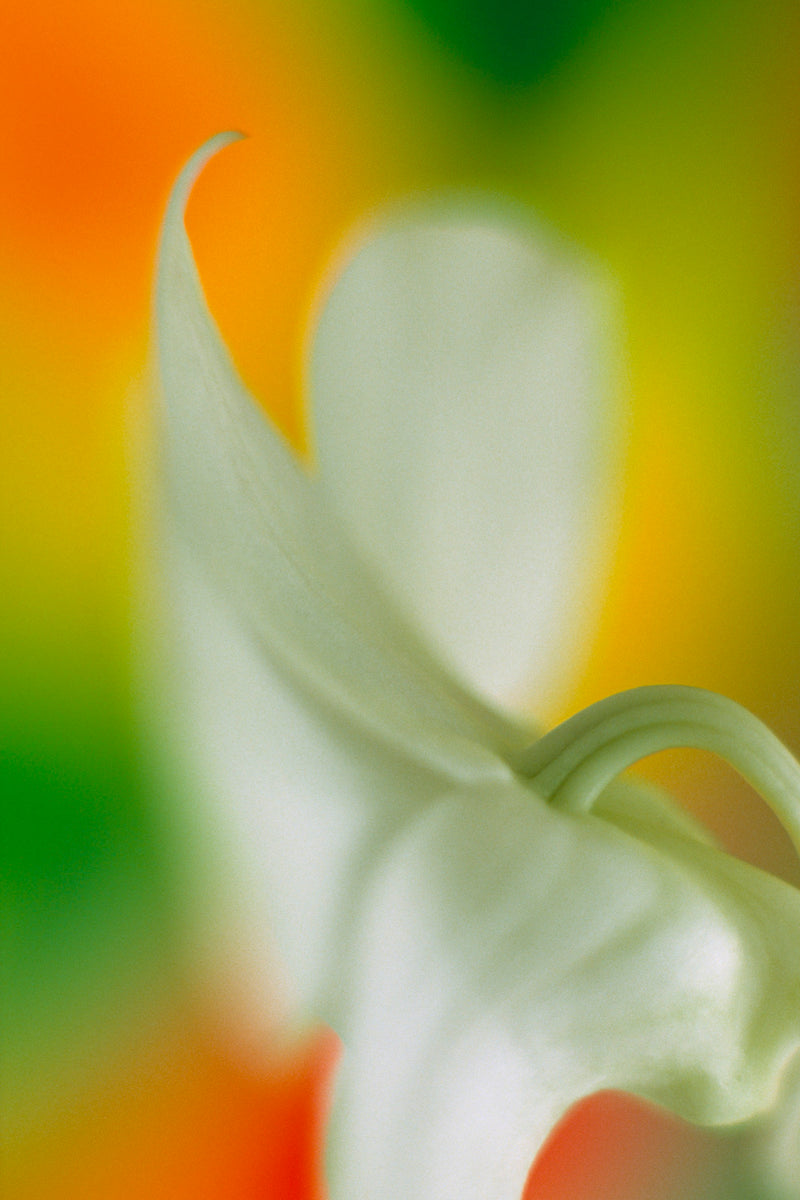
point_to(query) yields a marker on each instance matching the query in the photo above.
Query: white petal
(265, 534)
(778, 1156)
(513, 959)
(462, 383)
(300, 800)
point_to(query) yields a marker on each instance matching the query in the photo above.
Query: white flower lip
(487, 957)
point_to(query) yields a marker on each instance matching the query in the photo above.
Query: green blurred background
(662, 138)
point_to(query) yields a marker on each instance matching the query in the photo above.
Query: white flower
(488, 949)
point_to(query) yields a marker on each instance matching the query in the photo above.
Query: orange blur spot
(101, 106)
(188, 1122)
(614, 1147)
(97, 100)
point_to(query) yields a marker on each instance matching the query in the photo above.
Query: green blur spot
(88, 911)
(513, 42)
(64, 820)
(72, 798)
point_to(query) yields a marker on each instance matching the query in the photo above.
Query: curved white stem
(572, 765)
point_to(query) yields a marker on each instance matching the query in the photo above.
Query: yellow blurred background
(663, 138)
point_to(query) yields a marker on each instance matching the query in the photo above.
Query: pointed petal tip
(195, 164)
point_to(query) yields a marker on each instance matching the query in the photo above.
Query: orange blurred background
(664, 141)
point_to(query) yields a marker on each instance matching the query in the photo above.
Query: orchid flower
(493, 923)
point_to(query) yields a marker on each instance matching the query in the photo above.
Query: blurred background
(665, 140)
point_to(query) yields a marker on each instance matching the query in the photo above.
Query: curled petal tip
(194, 165)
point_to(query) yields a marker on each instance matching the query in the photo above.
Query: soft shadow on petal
(465, 382)
(514, 959)
(303, 801)
(265, 533)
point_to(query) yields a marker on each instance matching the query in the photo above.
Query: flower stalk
(576, 761)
